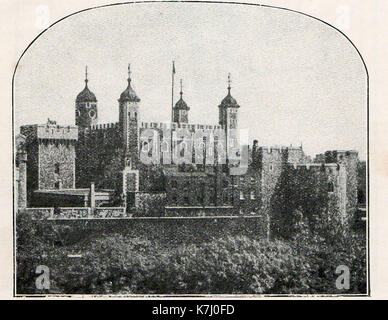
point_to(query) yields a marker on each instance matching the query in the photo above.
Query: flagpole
(172, 91)
(172, 108)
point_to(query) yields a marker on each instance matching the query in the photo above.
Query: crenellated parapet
(50, 132)
(101, 134)
(103, 126)
(175, 125)
(262, 156)
(325, 167)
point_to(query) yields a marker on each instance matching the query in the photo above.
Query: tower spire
(229, 83)
(86, 75)
(129, 73)
(181, 93)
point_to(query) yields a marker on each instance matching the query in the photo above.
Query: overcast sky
(296, 79)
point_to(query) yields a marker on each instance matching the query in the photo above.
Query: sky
(296, 79)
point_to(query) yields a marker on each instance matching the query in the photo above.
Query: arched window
(330, 187)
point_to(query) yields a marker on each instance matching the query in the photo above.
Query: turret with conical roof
(129, 95)
(86, 106)
(181, 114)
(128, 120)
(228, 110)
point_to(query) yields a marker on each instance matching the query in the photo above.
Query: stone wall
(71, 213)
(169, 230)
(106, 212)
(99, 156)
(272, 162)
(74, 213)
(348, 159)
(56, 165)
(200, 211)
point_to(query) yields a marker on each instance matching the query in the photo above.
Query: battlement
(102, 126)
(278, 149)
(50, 132)
(316, 166)
(336, 155)
(175, 125)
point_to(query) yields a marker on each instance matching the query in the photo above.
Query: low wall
(71, 213)
(168, 230)
(74, 213)
(199, 211)
(111, 212)
(39, 213)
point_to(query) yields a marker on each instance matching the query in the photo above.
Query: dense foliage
(300, 195)
(116, 262)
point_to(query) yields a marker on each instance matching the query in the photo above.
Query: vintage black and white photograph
(190, 149)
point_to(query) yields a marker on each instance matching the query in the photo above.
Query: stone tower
(128, 122)
(349, 160)
(228, 110)
(21, 165)
(181, 110)
(50, 156)
(85, 106)
(228, 119)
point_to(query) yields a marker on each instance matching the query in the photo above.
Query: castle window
(57, 185)
(174, 184)
(242, 195)
(253, 195)
(186, 199)
(270, 167)
(330, 187)
(57, 168)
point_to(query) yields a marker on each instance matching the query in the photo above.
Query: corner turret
(86, 106)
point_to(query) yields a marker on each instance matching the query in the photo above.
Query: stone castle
(97, 165)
